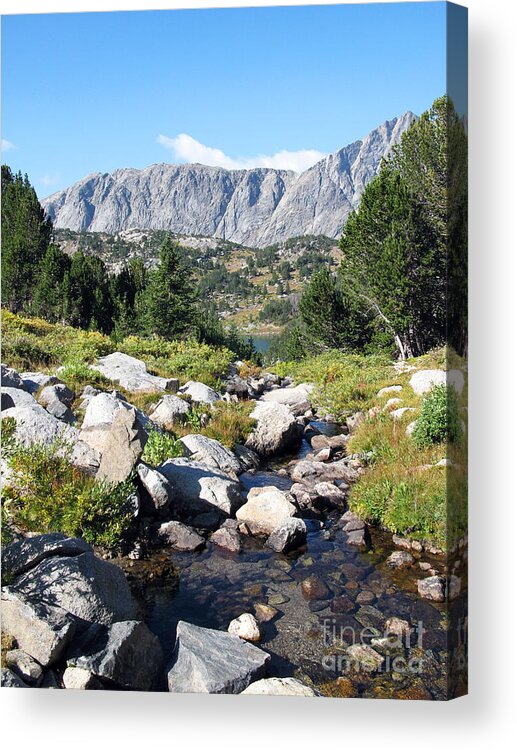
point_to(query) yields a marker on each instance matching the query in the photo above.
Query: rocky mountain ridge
(255, 207)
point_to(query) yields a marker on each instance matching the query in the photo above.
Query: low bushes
(439, 419)
(35, 344)
(227, 423)
(160, 446)
(46, 493)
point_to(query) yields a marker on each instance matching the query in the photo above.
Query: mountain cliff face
(255, 207)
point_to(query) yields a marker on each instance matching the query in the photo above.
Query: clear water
(216, 586)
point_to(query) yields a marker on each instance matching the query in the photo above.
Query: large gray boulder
(123, 447)
(319, 471)
(276, 431)
(127, 655)
(290, 535)
(10, 378)
(265, 510)
(16, 397)
(297, 399)
(40, 629)
(199, 488)
(35, 425)
(423, 380)
(131, 373)
(19, 557)
(102, 409)
(88, 588)
(169, 410)
(212, 661)
(280, 686)
(200, 393)
(211, 453)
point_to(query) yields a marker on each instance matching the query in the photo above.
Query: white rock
(276, 430)
(12, 397)
(399, 413)
(131, 373)
(280, 686)
(160, 491)
(296, 399)
(246, 627)
(200, 393)
(75, 678)
(102, 408)
(265, 510)
(199, 488)
(211, 453)
(168, 410)
(423, 380)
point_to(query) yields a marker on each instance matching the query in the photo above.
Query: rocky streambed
(316, 601)
(247, 572)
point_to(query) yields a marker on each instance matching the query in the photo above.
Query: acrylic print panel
(234, 341)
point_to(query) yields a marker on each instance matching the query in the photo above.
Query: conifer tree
(50, 292)
(26, 235)
(167, 304)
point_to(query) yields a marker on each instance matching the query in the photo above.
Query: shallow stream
(305, 637)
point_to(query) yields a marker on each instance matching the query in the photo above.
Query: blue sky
(93, 92)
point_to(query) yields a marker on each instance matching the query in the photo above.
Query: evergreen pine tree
(50, 292)
(322, 311)
(26, 235)
(167, 304)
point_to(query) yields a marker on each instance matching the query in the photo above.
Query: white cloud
(186, 149)
(7, 145)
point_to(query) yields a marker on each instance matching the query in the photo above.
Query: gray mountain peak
(254, 207)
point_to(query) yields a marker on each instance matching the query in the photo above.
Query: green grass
(227, 422)
(35, 344)
(402, 489)
(344, 383)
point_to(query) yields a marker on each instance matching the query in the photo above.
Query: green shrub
(160, 446)
(439, 420)
(46, 493)
(77, 375)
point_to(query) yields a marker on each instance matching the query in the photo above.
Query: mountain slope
(255, 207)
